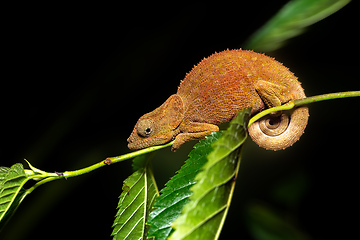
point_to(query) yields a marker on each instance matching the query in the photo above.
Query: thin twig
(304, 101)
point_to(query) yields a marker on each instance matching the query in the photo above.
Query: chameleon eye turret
(215, 90)
(145, 127)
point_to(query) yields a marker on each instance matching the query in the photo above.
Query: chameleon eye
(145, 127)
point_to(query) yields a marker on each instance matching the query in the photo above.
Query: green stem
(46, 180)
(304, 101)
(112, 160)
(49, 177)
(261, 114)
(328, 96)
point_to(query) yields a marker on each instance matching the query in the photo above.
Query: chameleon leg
(272, 94)
(193, 131)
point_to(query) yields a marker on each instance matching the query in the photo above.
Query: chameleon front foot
(193, 131)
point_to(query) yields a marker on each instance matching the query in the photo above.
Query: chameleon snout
(132, 141)
(136, 141)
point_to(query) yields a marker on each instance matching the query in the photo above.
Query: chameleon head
(146, 134)
(159, 126)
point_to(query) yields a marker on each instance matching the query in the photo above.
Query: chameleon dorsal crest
(215, 90)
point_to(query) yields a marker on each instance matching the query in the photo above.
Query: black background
(77, 77)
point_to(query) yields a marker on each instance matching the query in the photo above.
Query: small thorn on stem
(60, 174)
(108, 161)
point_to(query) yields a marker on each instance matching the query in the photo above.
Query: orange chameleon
(213, 93)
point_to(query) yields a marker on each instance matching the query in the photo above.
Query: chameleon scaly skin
(214, 91)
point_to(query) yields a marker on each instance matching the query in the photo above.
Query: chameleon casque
(215, 90)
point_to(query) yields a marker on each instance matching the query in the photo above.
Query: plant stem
(46, 180)
(304, 101)
(328, 96)
(261, 114)
(112, 160)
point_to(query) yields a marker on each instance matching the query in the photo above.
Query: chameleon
(215, 90)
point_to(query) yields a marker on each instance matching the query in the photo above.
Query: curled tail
(280, 132)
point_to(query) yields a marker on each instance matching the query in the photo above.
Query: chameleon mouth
(137, 143)
(135, 146)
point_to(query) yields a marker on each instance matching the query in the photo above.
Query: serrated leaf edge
(145, 173)
(238, 122)
(8, 203)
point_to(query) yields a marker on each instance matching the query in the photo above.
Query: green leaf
(12, 193)
(204, 215)
(176, 194)
(291, 21)
(136, 200)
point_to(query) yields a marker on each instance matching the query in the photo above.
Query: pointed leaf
(291, 21)
(139, 193)
(204, 215)
(11, 192)
(176, 194)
